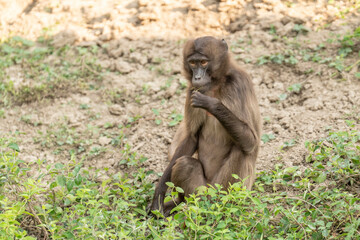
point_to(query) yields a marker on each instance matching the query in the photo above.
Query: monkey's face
(199, 65)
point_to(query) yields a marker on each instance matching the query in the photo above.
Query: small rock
(86, 44)
(268, 21)
(287, 29)
(118, 52)
(144, 3)
(285, 20)
(196, 6)
(276, 128)
(273, 98)
(112, 161)
(105, 64)
(106, 37)
(237, 25)
(279, 85)
(104, 141)
(106, 16)
(139, 58)
(107, 34)
(285, 122)
(65, 37)
(257, 80)
(123, 67)
(313, 104)
(171, 91)
(116, 110)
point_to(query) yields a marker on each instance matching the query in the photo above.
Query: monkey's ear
(225, 44)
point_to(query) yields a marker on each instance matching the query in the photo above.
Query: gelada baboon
(221, 124)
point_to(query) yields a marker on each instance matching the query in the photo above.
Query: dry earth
(140, 46)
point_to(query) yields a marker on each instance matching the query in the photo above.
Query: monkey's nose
(197, 78)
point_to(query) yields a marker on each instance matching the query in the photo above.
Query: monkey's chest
(214, 146)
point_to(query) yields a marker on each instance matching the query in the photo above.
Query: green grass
(317, 200)
(41, 69)
(334, 53)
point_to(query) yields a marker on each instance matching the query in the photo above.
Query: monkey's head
(205, 62)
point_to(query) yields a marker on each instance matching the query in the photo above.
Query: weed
(176, 119)
(267, 137)
(278, 58)
(295, 88)
(32, 58)
(288, 144)
(168, 83)
(300, 29)
(157, 114)
(348, 41)
(72, 202)
(183, 84)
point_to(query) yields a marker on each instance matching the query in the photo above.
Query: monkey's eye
(192, 63)
(204, 63)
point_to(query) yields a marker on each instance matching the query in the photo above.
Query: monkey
(221, 125)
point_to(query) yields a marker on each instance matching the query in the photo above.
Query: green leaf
(142, 212)
(295, 88)
(267, 137)
(59, 166)
(61, 180)
(179, 189)
(78, 180)
(173, 123)
(221, 225)
(24, 41)
(321, 178)
(53, 185)
(259, 227)
(167, 199)
(14, 146)
(70, 185)
(156, 112)
(357, 75)
(68, 235)
(282, 97)
(256, 201)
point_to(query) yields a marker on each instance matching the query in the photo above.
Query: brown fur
(222, 125)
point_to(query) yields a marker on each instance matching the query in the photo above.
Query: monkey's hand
(199, 100)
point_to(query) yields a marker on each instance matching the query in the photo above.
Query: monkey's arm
(186, 147)
(239, 129)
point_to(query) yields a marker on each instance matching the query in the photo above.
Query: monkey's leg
(239, 164)
(185, 147)
(188, 174)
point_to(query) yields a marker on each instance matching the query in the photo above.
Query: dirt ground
(142, 85)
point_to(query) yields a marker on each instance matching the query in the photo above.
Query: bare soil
(140, 46)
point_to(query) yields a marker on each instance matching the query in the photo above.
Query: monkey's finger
(196, 103)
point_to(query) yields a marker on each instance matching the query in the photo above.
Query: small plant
(183, 84)
(348, 42)
(300, 29)
(267, 137)
(157, 114)
(167, 83)
(278, 58)
(282, 96)
(295, 88)
(84, 106)
(288, 144)
(176, 119)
